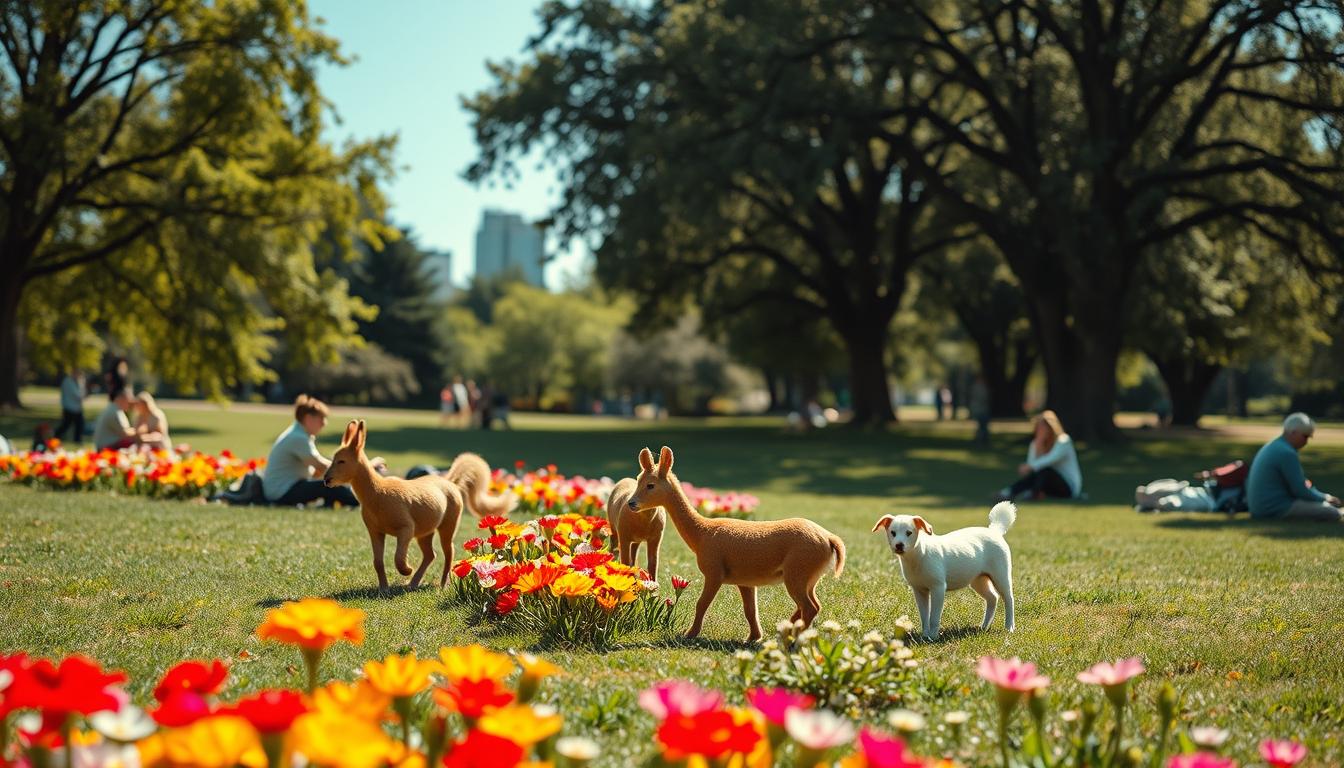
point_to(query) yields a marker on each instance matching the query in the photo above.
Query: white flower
(5, 679)
(106, 755)
(784, 627)
(910, 663)
(817, 729)
(904, 653)
(807, 635)
(649, 584)
(854, 624)
(744, 656)
(831, 625)
(906, 721)
(874, 638)
(584, 549)
(956, 717)
(126, 725)
(577, 748)
(905, 623)
(1208, 736)
(1069, 716)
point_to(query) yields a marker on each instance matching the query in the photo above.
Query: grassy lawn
(1245, 619)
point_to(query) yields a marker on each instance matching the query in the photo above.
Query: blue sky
(414, 60)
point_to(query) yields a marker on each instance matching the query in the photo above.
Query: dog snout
(900, 548)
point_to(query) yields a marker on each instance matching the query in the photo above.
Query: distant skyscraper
(506, 243)
(440, 264)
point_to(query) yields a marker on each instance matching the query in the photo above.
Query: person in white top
(149, 417)
(1051, 468)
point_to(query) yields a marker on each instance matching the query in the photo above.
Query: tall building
(440, 264)
(506, 243)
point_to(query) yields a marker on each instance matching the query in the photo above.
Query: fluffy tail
(838, 547)
(1002, 517)
(470, 473)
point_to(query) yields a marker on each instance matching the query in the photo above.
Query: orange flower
(359, 699)
(313, 624)
(474, 662)
(215, 742)
(399, 676)
(538, 579)
(574, 584)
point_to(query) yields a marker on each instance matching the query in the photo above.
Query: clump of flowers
(157, 473)
(850, 673)
(556, 577)
(545, 490)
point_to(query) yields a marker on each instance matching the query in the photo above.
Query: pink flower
(1118, 673)
(883, 751)
(1011, 674)
(1282, 754)
(775, 702)
(678, 697)
(817, 729)
(1201, 760)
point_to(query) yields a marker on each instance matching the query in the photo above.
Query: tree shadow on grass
(1270, 529)
(352, 593)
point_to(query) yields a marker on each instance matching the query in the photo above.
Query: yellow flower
(537, 667)
(313, 624)
(359, 699)
(521, 724)
(474, 662)
(341, 741)
(399, 676)
(573, 584)
(606, 600)
(214, 742)
(619, 581)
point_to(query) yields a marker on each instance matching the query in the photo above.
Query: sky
(414, 59)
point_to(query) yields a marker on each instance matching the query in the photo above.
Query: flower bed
(471, 706)
(554, 576)
(157, 473)
(545, 491)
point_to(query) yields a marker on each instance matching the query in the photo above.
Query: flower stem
(312, 657)
(1003, 735)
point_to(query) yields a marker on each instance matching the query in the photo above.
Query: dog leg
(711, 588)
(982, 585)
(922, 603)
(799, 591)
(936, 595)
(749, 608)
(378, 540)
(654, 544)
(426, 543)
(403, 545)
(1004, 585)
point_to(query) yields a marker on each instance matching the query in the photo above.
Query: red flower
(774, 702)
(507, 601)
(498, 541)
(590, 560)
(710, 734)
(461, 568)
(473, 698)
(506, 576)
(181, 708)
(679, 583)
(269, 711)
(482, 750)
(519, 464)
(491, 521)
(48, 733)
(200, 677)
(78, 684)
(548, 522)
(473, 544)
(17, 667)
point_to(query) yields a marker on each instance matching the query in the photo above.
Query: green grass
(1244, 618)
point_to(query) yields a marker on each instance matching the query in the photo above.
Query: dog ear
(923, 525)
(885, 522)
(646, 460)
(664, 461)
(350, 430)
(361, 432)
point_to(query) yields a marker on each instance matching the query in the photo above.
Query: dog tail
(470, 473)
(1002, 517)
(838, 547)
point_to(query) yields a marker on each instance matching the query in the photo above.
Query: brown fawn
(631, 527)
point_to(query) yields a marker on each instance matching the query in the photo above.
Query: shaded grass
(1243, 617)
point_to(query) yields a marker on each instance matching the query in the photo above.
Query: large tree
(163, 179)
(721, 146)
(1108, 129)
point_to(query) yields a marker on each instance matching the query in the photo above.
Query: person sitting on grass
(294, 468)
(1277, 486)
(1051, 469)
(149, 417)
(113, 430)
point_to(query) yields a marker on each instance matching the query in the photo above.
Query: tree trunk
(1080, 373)
(866, 345)
(1188, 382)
(772, 389)
(1015, 388)
(10, 294)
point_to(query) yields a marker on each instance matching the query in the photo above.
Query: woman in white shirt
(151, 418)
(1051, 468)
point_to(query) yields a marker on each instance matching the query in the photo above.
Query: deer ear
(350, 430)
(664, 461)
(923, 525)
(884, 522)
(646, 460)
(361, 433)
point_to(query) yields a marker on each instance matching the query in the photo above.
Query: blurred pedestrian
(980, 409)
(463, 400)
(73, 392)
(447, 405)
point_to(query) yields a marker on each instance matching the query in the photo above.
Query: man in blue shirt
(1277, 486)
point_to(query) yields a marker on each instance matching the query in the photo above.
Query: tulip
(1282, 754)
(816, 731)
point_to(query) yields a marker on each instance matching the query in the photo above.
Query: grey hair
(1299, 422)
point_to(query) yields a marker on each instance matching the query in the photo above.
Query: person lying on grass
(294, 468)
(1277, 487)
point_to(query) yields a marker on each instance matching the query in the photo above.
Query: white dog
(933, 565)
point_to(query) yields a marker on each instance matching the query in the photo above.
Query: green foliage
(367, 373)
(164, 182)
